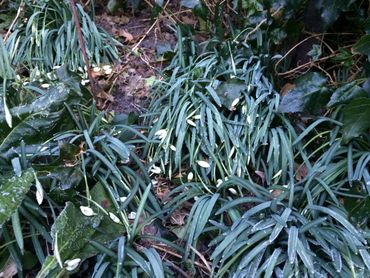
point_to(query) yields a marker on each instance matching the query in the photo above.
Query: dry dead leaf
(286, 88)
(300, 171)
(9, 270)
(261, 175)
(189, 20)
(124, 34)
(178, 218)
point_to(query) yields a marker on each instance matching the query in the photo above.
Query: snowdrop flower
(190, 176)
(161, 134)
(190, 122)
(87, 211)
(155, 169)
(233, 191)
(218, 182)
(249, 120)
(45, 86)
(132, 215)
(235, 102)
(114, 218)
(72, 264)
(203, 164)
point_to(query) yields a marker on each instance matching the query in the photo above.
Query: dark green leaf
(356, 118)
(362, 46)
(346, 93)
(309, 95)
(229, 91)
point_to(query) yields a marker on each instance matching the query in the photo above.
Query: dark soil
(140, 64)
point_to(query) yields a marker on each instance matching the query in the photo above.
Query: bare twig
(173, 253)
(201, 257)
(19, 12)
(149, 30)
(83, 49)
(261, 23)
(298, 44)
(167, 14)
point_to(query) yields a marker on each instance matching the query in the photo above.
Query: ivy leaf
(362, 46)
(346, 93)
(315, 52)
(12, 192)
(331, 9)
(356, 118)
(309, 95)
(228, 92)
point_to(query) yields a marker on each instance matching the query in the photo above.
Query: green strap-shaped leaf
(12, 192)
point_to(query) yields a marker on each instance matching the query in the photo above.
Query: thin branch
(201, 257)
(83, 49)
(19, 12)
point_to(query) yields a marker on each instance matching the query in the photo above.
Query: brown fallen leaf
(300, 171)
(124, 34)
(189, 20)
(261, 175)
(178, 218)
(9, 270)
(286, 88)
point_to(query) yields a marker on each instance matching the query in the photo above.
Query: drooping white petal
(203, 164)
(190, 122)
(71, 265)
(235, 102)
(190, 176)
(155, 169)
(162, 133)
(87, 211)
(114, 218)
(132, 215)
(233, 191)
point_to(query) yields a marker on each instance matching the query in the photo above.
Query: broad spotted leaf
(12, 192)
(71, 232)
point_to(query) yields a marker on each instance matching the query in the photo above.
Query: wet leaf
(356, 118)
(346, 93)
(33, 122)
(308, 95)
(229, 91)
(362, 46)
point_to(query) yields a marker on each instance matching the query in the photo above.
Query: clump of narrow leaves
(48, 38)
(215, 115)
(264, 192)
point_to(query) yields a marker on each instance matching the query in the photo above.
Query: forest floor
(145, 40)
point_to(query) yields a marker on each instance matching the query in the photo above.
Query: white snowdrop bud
(203, 164)
(87, 211)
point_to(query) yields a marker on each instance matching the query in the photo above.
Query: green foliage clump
(48, 38)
